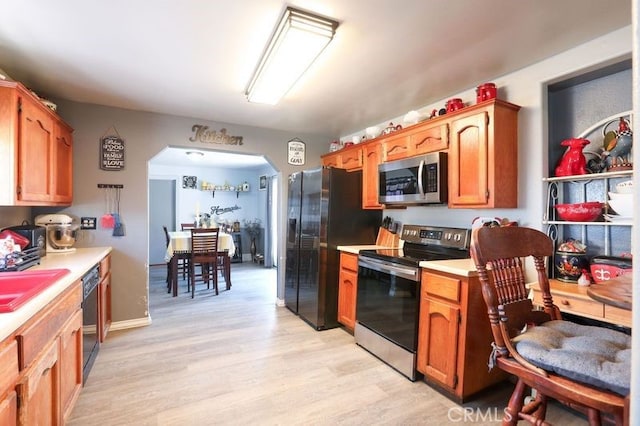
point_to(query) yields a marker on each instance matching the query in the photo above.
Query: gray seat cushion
(594, 355)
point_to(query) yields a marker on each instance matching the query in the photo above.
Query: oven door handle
(387, 268)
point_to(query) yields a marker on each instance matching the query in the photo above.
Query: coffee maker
(61, 232)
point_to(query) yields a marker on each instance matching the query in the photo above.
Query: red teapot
(486, 91)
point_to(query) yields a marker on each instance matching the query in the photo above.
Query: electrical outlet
(87, 223)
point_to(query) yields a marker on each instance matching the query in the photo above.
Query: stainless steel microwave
(415, 180)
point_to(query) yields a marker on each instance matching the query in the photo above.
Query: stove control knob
(458, 237)
(447, 236)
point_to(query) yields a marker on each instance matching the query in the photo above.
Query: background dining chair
(185, 226)
(586, 367)
(204, 251)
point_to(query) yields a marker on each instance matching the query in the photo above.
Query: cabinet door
(468, 160)
(438, 341)
(351, 158)
(396, 147)
(39, 390)
(35, 153)
(9, 409)
(372, 154)
(331, 160)
(63, 165)
(431, 139)
(70, 363)
(347, 291)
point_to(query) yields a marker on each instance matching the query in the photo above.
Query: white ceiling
(179, 157)
(193, 58)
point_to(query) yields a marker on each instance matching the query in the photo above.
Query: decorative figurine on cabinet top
(573, 161)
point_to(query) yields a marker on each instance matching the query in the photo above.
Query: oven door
(388, 300)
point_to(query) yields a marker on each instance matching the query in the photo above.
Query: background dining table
(180, 247)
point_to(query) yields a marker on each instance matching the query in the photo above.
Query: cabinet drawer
(438, 285)
(396, 148)
(105, 266)
(47, 324)
(8, 364)
(351, 159)
(430, 140)
(349, 261)
(577, 306)
(617, 315)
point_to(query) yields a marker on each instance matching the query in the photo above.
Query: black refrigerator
(324, 211)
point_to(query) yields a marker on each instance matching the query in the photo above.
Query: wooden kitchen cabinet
(454, 337)
(429, 137)
(36, 151)
(573, 299)
(396, 147)
(348, 290)
(372, 157)
(483, 156)
(41, 364)
(348, 158)
(104, 298)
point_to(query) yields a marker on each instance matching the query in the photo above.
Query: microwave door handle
(420, 187)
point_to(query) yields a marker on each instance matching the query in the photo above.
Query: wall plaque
(296, 152)
(111, 153)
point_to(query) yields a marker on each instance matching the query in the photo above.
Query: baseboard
(132, 323)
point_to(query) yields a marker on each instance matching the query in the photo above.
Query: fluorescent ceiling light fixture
(296, 43)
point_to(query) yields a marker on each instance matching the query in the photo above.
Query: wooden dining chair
(204, 251)
(181, 263)
(585, 367)
(185, 226)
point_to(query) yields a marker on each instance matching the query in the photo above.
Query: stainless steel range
(388, 301)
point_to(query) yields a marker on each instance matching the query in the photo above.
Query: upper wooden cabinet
(349, 158)
(429, 138)
(483, 156)
(36, 151)
(372, 156)
(396, 147)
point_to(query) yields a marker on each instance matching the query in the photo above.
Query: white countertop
(463, 267)
(78, 262)
(356, 249)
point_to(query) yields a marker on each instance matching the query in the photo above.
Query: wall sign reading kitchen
(111, 153)
(204, 134)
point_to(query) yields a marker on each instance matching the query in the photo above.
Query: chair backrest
(204, 243)
(499, 255)
(184, 226)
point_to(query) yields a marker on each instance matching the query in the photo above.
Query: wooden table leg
(227, 271)
(174, 274)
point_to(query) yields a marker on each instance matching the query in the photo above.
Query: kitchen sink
(17, 288)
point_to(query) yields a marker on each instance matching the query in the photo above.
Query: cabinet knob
(564, 302)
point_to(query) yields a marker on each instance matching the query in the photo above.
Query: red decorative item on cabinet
(573, 161)
(486, 91)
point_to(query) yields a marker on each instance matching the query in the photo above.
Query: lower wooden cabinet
(41, 364)
(348, 290)
(454, 337)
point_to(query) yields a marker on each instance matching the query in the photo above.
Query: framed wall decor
(263, 183)
(296, 152)
(190, 182)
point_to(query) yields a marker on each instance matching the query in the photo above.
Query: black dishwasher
(90, 342)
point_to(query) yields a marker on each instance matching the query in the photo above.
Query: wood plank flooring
(238, 359)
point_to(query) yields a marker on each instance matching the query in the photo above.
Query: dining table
(615, 292)
(179, 247)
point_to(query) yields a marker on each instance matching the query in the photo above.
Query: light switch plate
(87, 223)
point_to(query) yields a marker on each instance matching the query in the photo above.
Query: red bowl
(580, 212)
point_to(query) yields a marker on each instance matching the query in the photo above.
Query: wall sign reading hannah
(296, 152)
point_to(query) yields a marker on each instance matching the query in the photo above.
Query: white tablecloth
(181, 241)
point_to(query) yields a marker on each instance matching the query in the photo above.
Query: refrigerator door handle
(420, 187)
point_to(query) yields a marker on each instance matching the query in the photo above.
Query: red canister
(486, 91)
(454, 104)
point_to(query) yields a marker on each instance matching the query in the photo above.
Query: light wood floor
(238, 359)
